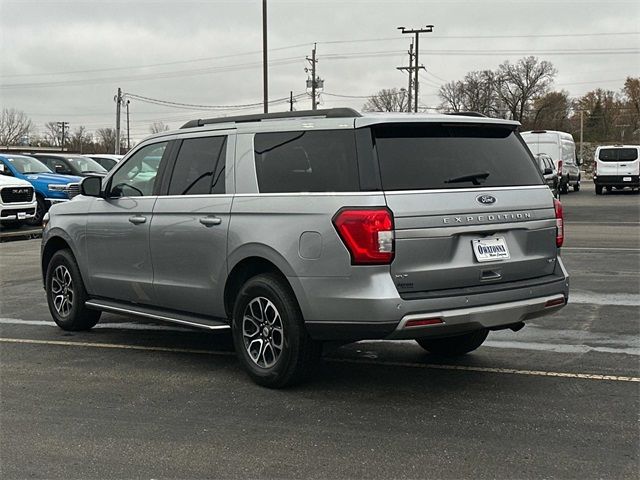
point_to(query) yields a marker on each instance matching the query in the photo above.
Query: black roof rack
(328, 113)
(467, 114)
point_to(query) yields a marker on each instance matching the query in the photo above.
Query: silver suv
(291, 229)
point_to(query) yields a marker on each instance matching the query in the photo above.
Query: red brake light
(559, 222)
(559, 168)
(367, 234)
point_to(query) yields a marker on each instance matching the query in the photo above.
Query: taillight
(367, 234)
(595, 168)
(559, 222)
(559, 168)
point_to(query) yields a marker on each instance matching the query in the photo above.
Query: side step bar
(158, 314)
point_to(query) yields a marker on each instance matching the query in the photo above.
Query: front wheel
(576, 187)
(454, 346)
(598, 189)
(269, 335)
(41, 209)
(66, 295)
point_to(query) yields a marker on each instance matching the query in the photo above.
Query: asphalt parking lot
(131, 399)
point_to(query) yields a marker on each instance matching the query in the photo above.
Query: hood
(6, 181)
(53, 178)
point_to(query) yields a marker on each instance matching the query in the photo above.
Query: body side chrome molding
(110, 308)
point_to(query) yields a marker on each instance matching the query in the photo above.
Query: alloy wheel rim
(262, 332)
(62, 290)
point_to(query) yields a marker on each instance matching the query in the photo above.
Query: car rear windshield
(430, 156)
(618, 154)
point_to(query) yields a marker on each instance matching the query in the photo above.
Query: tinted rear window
(195, 171)
(310, 161)
(618, 154)
(428, 156)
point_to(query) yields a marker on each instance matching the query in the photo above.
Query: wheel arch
(242, 268)
(54, 243)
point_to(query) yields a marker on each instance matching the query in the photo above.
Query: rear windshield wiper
(475, 178)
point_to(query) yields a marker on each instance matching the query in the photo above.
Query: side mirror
(547, 171)
(578, 161)
(91, 186)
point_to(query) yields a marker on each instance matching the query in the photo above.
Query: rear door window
(309, 161)
(433, 156)
(618, 154)
(195, 171)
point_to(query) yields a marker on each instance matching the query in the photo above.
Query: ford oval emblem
(486, 199)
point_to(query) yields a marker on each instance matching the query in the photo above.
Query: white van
(562, 149)
(617, 166)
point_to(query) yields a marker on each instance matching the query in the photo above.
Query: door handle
(210, 221)
(137, 219)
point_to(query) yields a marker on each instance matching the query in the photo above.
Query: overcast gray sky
(63, 60)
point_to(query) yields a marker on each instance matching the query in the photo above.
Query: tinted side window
(137, 176)
(429, 156)
(195, 169)
(310, 161)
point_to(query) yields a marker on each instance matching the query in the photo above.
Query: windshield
(28, 165)
(429, 155)
(86, 165)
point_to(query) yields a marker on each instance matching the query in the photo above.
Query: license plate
(626, 179)
(490, 249)
(22, 215)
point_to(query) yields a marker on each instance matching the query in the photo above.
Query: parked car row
(50, 178)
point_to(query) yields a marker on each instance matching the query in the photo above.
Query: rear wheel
(269, 335)
(564, 188)
(598, 189)
(66, 295)
(576, 187)
(454, 346)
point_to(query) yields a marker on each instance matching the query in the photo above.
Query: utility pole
(410, 70)
(265, 78)
(118, 100)
(581, 133)
(416, 32)
(64, 127)
(315, 82)
(291, 101)
(128, 137)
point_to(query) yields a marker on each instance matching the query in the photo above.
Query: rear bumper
(370, 307)
(617, 180)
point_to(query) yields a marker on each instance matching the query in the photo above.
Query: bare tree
(477, 92)
(452, 96)
(52, 135)
(387, 100)
(550, 111)
(14, 126)
(106, 140)
(80, 139)
(521, 82)
(157, 127)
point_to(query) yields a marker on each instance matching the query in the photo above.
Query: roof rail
(327, 113)
(467, 114)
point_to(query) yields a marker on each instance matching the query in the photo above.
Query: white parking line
(611, 249)
(509, 371)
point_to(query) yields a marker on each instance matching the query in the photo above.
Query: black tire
(66, 301)
(454, 346)
(564, 188)
(576, 187)
(598, 189)
(265, 298)
(41, 209)
(609, 188)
